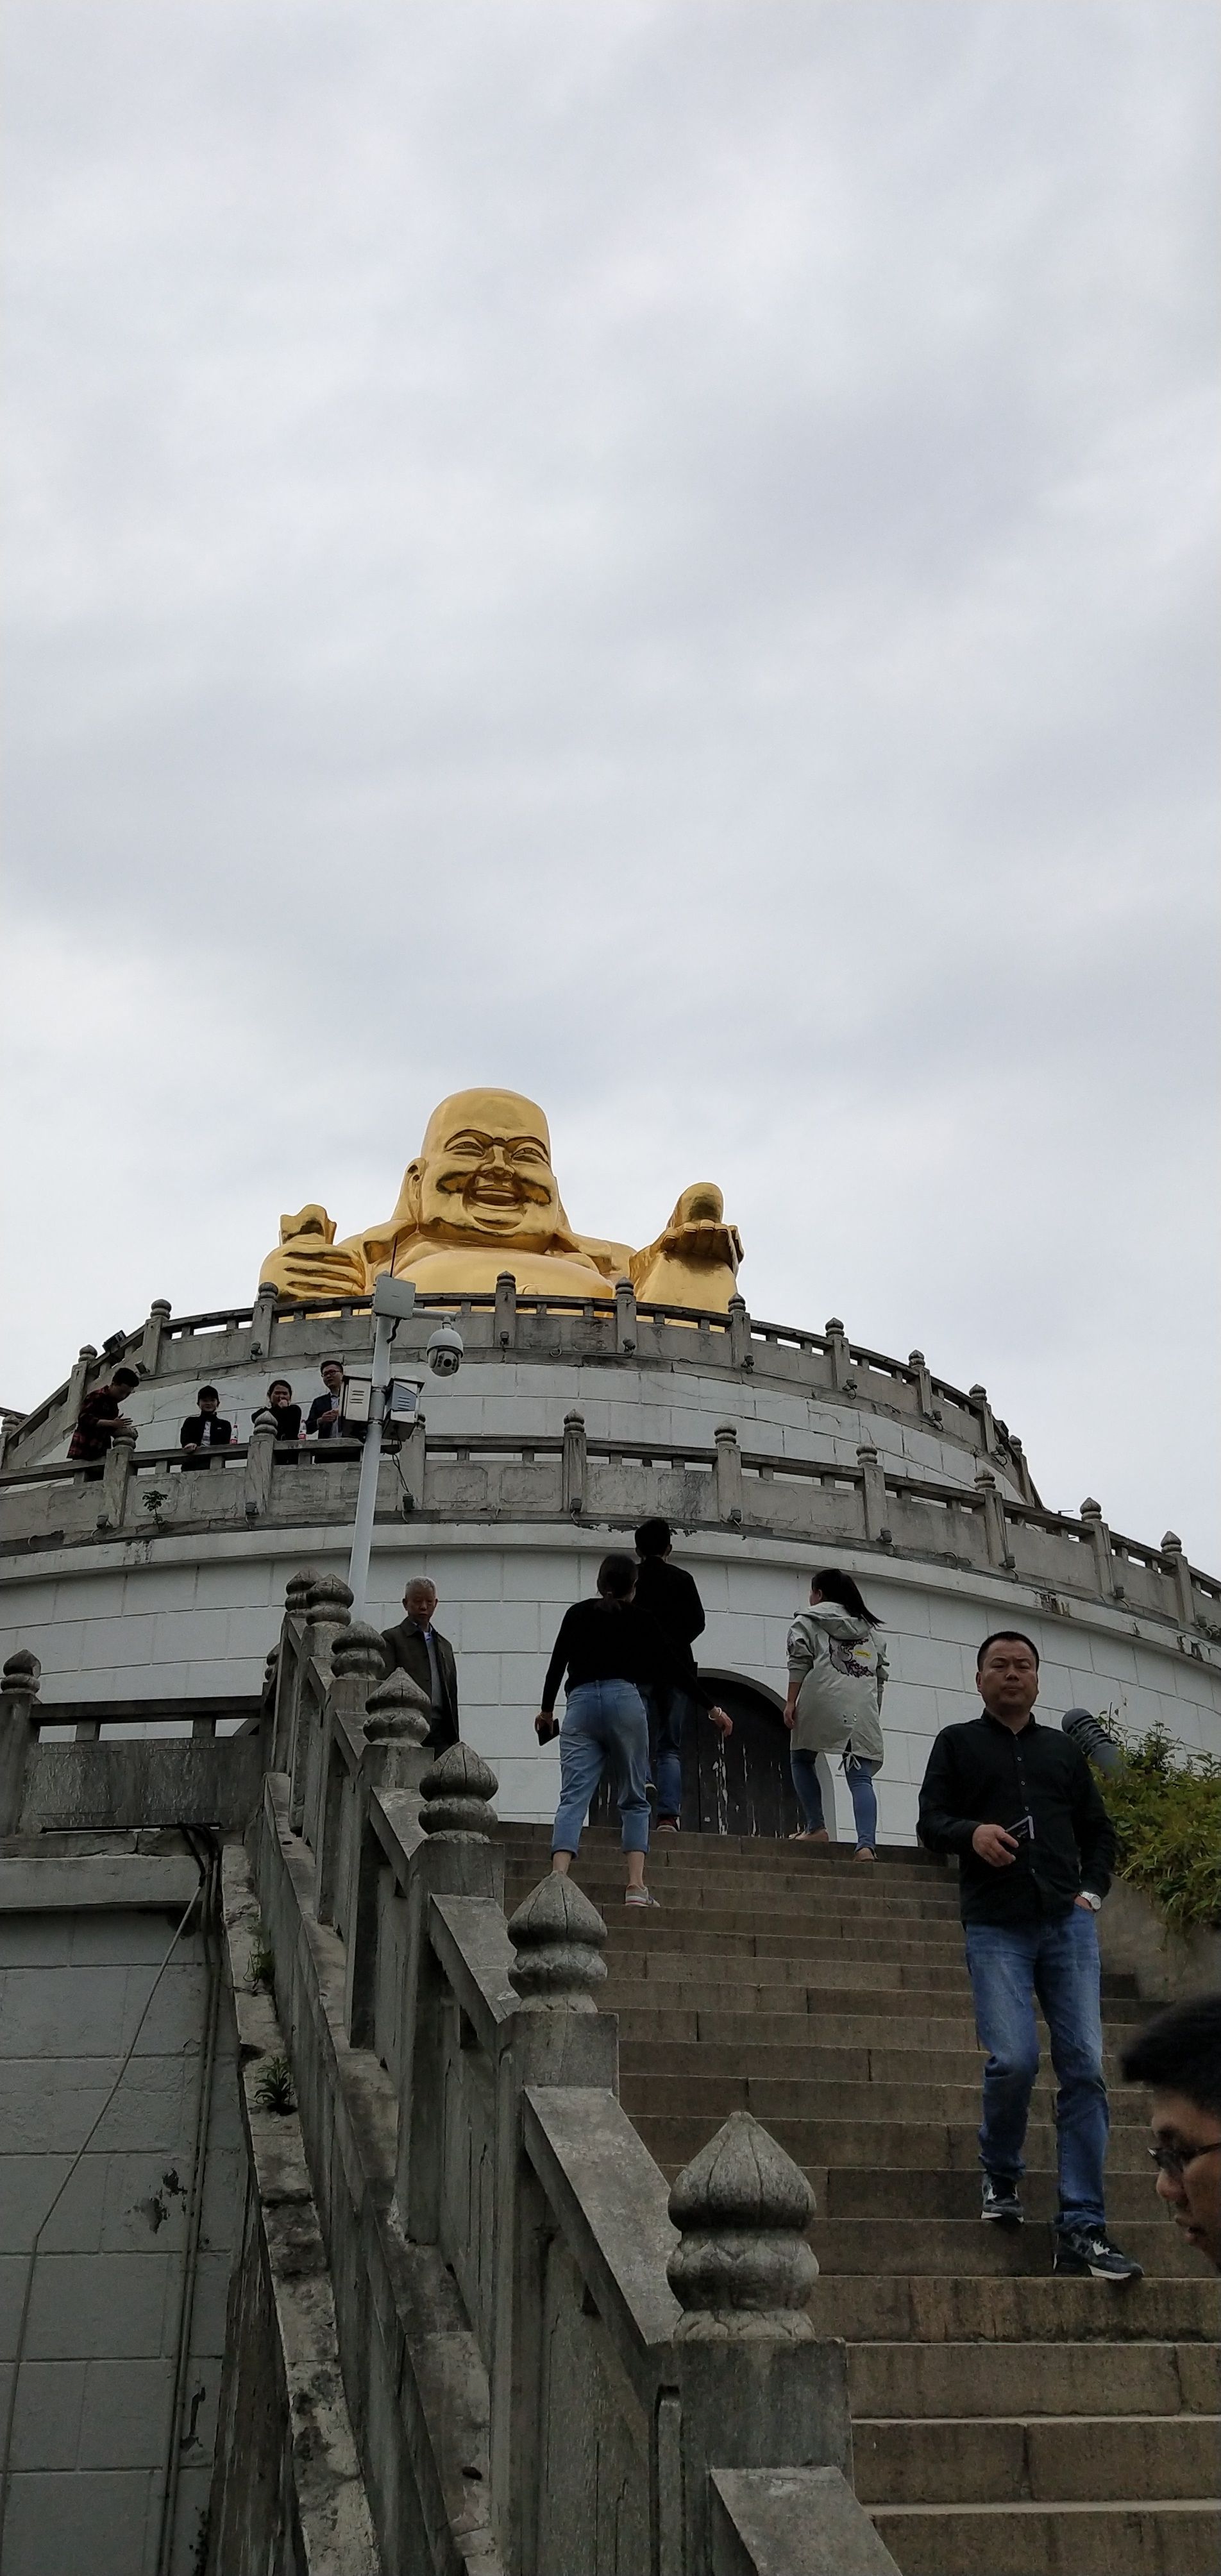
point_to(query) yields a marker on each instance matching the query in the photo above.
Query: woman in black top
(288, 1414)
(610, 1650)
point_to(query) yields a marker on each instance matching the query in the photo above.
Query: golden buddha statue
(481, 1197)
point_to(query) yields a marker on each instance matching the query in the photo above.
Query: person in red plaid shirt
(98, 1416)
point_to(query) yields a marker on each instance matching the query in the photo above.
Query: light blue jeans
(605, 1729)
(1057, 1961)
(860, 1783)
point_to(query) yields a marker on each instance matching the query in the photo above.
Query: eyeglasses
(1174, 2160)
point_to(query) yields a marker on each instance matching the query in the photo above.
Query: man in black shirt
(673, 1603)
(1019, 1805)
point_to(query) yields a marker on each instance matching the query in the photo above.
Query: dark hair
(835, 1586)
(654, 1538)
(1180, 2052)
(279, 1381)
(332, 1362)
(130, 1377)
(207, 1390)
(1007, 1637)
(616, 1578)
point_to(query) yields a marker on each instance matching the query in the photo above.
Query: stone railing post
(996, 1530)
(1024, 1477)
(741, 1354)
(358, 1661)
(838, 1355)
(455, 1857)
(260, 1459)
(980, 1406)
(327, 1612)
(505, 1324)
(1100, 1541)
(728, 1474)
(112, 1505)
(625, 1316)
(263, 1321)
(398, 1716)
(575, 1464)
(18, 1731)
(757, 2387)
(557, 2036)
(78, 1380)
(150, 1348)
(873, 1495)
(1179, 1572)
(923, 1376)
(288, 1670)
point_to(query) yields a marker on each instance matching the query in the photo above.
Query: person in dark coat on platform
(670, 1597)
(418, 1649)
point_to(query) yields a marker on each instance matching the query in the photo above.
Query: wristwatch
(1094, 1902)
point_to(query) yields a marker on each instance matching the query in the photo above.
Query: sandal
(639, 1896)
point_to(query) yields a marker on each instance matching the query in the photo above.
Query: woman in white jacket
(837, 1674)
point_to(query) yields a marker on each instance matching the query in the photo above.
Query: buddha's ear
(408, 1210)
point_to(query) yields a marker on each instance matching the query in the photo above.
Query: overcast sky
(664, 556)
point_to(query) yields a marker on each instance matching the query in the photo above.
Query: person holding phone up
(1019, 1805)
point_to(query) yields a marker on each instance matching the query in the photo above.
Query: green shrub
(1166, 1808)
(274, 2090)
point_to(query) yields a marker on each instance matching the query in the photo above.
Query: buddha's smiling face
(485, 1168)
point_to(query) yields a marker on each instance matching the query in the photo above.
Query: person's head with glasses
(1178, 2055)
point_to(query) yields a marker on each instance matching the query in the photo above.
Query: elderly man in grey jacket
(417, 1648)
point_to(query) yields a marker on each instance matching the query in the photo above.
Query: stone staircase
(1005, 2423)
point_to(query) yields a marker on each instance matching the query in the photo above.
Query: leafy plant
(154, 1501)
(262, 1964)
(274, 2090)
(1166, 1808)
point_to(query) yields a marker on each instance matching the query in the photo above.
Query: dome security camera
(445, 1351)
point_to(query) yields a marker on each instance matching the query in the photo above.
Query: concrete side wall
(201, 1615)
(92, 2426)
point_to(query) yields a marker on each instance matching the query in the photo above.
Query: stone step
(921, 2191)
(851, 2138)
(1020, 2309)
(752, 2004)
(1034, 2459)
(716, 1853)
(926, 1945)
(1072, 2379)
(709, 1899)
(942, 2106)
(1050, 2540)
(965, 2249)
(690, 1966)
(809, 2063)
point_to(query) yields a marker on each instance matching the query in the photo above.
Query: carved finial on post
(297, 1591)
(740, 1353)
(18, 1726)
(457, 1792)
(558, 1936)
(328, 1613)
(358, 1658)
(838, 1352)
(398, 1711)
(742, 2270)
(1180, 1575)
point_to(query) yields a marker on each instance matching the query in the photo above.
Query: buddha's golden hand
(697, 1231)
(309, 1263)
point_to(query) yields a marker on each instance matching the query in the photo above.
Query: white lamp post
(393, 1300)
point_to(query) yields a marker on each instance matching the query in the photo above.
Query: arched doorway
(742, 1787)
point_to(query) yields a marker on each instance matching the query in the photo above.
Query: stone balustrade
(437, 1479)
(567, 2366)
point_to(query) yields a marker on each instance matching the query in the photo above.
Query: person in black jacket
(287, 1414)
(1019, 1805)
(612, 1652)
(207, 1429)
(671, 1599)
(417, 1648)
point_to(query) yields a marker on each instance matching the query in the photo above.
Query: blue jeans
(860, 1783)
(605, 1728)
(1057, 1961)
(667, 1716)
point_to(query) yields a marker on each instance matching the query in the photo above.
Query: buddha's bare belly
(454, 1271)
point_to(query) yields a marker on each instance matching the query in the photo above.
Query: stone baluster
(987, 1422)
(575, 1464)
(263, 1321)
(741, 1351)
(625, 1316)
(413, 1465)
(1179, 1572)
(18, 1732)
(260, 1459)
(112, 1505)
(78, 1381)
(1021, 1469)
(923, 1376)
(505, 1325)
(328, 1612)
(358, 1662)
(398, 1718)
(838, 1354)
(1100, 1540)
(559, 1938)
(150, 1348)
(996, 1530)
(873, 1495)
(297, 1591)
(742, 2268)
(457, 1791)
(728, 1475)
